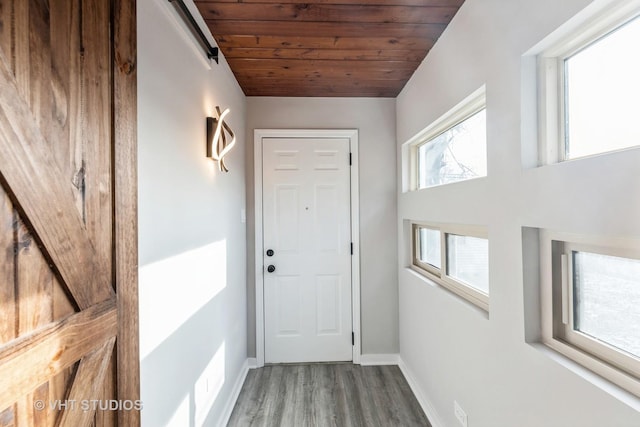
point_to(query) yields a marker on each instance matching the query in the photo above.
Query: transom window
(453, 148)
(457, 154)
(591, 88)
(456, 257)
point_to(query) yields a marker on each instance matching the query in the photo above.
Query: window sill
(586, 374)
(436, 283)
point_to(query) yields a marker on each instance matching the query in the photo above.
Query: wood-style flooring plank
(325, 394)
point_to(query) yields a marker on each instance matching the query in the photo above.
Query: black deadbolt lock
(271, 268)
(269, 252)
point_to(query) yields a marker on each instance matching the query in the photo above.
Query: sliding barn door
(68, 334)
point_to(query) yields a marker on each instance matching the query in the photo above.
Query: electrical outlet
(460, 414)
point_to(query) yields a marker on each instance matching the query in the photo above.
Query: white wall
(191, 241)
(454, 351)
(375, 121)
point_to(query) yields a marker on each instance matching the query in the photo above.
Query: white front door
(307, 249)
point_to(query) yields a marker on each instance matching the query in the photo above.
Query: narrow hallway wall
(192, 239)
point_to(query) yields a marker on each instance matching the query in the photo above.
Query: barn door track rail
(185, 13)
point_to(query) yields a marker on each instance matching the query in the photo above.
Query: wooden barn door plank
(31, 360)
(27, 414)
(40, 98)
(7, 272)
(34, 291)
(8, 307)
(126, 201)
(34, 283)
(20, 50)
(96, 125)
(86, 386)
(108, 392)
(6, 44)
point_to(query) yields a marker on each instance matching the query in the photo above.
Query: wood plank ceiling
(351, 48)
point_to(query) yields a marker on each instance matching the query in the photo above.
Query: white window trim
(596, 356)
(415, 250)
(551, 112)
(469, 106)
(439, 275)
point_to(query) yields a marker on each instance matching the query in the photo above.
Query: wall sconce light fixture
(218, 142)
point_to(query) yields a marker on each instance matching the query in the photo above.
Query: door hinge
(353, 338)
(350, 160)
(351, 248)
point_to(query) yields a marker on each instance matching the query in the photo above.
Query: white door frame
(352, 135)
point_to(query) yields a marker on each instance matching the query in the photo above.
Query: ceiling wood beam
(278, 81)
(423, 3)
(361, 74)
(366, 43)
(414, 55)
(323, 91)
(309, 91)
(286, 65)
(305, 12)
(324, 29)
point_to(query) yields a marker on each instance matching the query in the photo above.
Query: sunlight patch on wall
(181, 416)
(174, 289)
(208, 385)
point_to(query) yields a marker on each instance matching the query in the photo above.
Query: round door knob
(271, 268)
(269, 252)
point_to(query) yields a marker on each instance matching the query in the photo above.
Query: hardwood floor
(319, 395)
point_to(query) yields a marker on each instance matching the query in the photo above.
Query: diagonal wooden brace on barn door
(44, 197)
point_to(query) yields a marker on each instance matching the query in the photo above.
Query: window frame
(415, 251)
(440, 275)
(551, 79)
(557, 288)
(468, 107)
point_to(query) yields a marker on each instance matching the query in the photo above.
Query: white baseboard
(235, 392)
(427, 406)
(252, 363)
(379, 359)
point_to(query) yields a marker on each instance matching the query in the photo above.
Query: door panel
(306, 222)
(288, 299)
(328, 304)
(59, 280)
(287, 218)
(326, 224)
